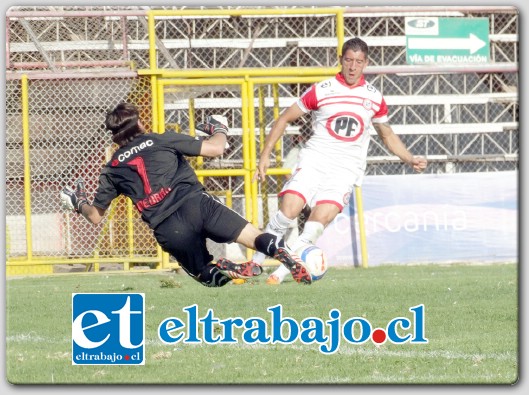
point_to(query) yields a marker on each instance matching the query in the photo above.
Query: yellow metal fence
(123, 238)
(55, 134)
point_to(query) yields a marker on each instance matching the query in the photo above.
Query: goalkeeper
(151, 170)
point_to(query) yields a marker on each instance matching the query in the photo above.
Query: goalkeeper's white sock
(278, 226)
(311, 232)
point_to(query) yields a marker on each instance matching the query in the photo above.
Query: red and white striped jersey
(341, 119)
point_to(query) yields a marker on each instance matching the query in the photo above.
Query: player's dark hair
(355, 44)
(122, 121)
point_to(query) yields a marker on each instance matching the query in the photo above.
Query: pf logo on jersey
(345, 126)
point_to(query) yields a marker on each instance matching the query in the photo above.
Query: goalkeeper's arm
(75, 200)
(93, 214)
(216, 126)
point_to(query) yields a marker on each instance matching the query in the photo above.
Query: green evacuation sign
(432, 40)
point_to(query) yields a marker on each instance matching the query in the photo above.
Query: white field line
(357, 350)
(432, 354)
(409, 354)
(441, 378)
(344, 349)
(30, 337)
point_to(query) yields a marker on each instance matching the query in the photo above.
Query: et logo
(345, 126)
(108, 329)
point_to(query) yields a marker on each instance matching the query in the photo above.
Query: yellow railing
(27, 174)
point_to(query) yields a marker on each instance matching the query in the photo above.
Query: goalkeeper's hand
(74, 200)
(214, 124)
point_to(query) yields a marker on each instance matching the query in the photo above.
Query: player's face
(353, 66)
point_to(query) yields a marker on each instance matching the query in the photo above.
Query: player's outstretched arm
(419, 163)
(397, 147)
(289, 115)
(93, 214)
(76, 200)
(216, 126)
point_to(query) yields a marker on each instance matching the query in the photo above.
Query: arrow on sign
(472, 43)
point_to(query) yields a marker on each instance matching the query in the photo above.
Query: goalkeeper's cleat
(238, 281)
(273, 280)
(235, 270)
(297, 267)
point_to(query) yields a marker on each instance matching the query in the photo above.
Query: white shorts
(319, 180)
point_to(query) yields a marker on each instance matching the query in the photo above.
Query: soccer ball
(314, 259)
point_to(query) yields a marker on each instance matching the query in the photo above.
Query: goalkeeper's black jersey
(152, 171)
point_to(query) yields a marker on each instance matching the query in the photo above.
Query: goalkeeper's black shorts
(183, 234)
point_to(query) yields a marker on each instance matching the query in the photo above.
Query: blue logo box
(108, 329)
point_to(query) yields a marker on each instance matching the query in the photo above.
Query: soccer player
(343, 110)
(151, 170)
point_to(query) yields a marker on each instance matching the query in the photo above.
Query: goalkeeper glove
(214, 124)
(74, 200)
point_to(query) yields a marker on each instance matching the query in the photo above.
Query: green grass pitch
(471, 323)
